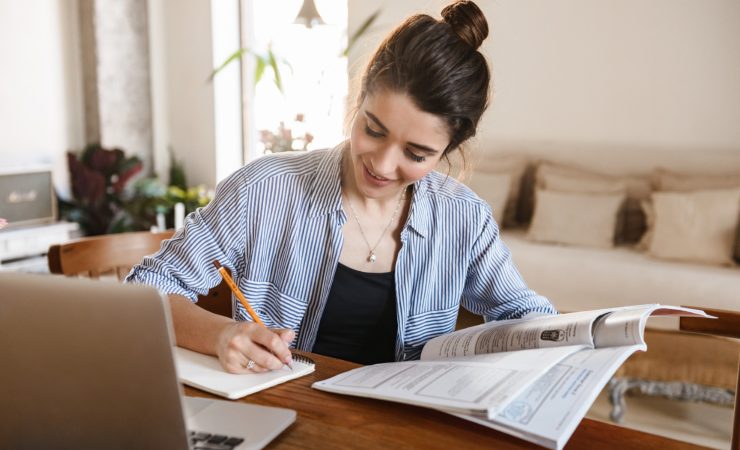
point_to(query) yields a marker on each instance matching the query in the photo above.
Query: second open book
(534, 378)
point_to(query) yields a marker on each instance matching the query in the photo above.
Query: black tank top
(359, 320)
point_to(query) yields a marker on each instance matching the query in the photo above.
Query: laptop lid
(86, 364)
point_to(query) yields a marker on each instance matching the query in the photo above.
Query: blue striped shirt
(276, 224)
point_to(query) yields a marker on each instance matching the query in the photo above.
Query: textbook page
(205, 372)
(481, 385)
(598, 328)
(626, 326)
(548, 412)
(516, 334)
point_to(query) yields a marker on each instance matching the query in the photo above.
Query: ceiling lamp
(309, 15)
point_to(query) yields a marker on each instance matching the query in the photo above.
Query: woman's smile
(374, 179)
(393, 144)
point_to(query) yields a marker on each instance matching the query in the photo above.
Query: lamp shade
(309, 15)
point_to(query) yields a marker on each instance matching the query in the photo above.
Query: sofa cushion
(575, 218)
(698, 226)
(635, 186)
(631, 222)
(586, 185)
(512, 165)
(667, 180)
(494, 189)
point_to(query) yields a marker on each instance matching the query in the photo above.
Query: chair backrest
(113, 255)
(104, 256)
(727, 324)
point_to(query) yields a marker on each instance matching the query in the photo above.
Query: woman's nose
(385, 161)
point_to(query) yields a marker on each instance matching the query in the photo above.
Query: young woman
(362, 252)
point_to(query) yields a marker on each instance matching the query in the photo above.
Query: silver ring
(250, 365)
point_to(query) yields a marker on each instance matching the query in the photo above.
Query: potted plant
(99, 177)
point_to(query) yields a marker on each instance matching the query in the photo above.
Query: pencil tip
(217, 264)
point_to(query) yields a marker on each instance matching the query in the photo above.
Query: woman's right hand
(242, 342)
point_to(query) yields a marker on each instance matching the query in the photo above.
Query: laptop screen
(86, 364)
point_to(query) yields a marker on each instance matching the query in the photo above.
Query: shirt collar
(419, 212)
(326, 190)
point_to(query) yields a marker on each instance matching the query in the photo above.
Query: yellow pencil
(225, 275)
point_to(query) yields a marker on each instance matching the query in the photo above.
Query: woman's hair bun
(467, 21)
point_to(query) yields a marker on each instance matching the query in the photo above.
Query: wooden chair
(466, 319)
(113, 255)
(727, 324)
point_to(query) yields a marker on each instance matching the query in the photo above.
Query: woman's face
(393, 144)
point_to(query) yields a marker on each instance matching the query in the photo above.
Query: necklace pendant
(372, 257)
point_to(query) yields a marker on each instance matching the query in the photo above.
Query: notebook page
(205, 372)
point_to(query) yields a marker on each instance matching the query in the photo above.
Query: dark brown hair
(437, 64)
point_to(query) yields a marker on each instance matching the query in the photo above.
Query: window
(312, 70)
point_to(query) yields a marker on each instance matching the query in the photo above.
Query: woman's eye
(372, 133)
(414, 157)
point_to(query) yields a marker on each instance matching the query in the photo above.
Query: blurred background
(134, 74)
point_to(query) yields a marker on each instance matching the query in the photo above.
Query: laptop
(88, 364)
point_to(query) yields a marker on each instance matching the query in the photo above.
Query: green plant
(177, 172)
(102, 203)
(362, 29)
(262, 60)
(152, 197)
(99, 177)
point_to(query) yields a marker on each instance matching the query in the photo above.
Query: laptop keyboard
(206, 441)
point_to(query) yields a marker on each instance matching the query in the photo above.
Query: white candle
(179, 215)
(160, 222)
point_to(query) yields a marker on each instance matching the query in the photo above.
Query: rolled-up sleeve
(184, 264)
(494, 287)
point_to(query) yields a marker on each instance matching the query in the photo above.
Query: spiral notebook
(205, 372)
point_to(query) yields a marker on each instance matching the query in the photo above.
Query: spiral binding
(303, 359)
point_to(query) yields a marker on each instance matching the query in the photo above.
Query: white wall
(659, 74)
(198, 119)
(182, 99)
(40, 85)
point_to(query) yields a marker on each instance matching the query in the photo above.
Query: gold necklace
(371, 256)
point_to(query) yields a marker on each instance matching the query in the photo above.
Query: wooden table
(338, 421)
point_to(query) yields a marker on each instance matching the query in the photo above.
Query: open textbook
(205, 372)
(534, 378)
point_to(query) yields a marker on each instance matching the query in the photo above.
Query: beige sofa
(595, 275)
